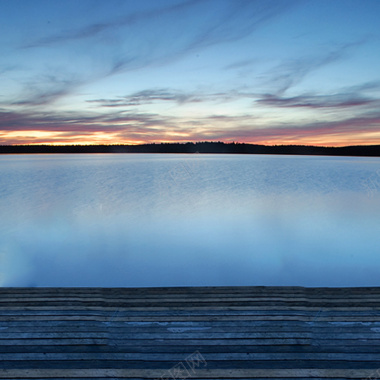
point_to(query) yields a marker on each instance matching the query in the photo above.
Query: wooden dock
(190, 333)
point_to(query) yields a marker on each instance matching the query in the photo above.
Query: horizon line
(187, 142)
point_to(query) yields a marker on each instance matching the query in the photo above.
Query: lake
(189, 220)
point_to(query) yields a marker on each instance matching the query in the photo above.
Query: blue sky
(126, 71)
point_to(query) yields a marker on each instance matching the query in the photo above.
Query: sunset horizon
(186, 142)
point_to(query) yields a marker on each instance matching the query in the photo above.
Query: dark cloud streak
(290, 73)
(353, 96)
(232, 20)
(148, 97)
(81, 123)
(165, 42)
(316, 101)
(46, 88)
(97, 28)
(178, 97)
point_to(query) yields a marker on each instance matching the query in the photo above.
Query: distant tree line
(198, 147)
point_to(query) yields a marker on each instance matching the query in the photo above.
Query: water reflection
(180, 220)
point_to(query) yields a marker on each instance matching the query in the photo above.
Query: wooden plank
(110, 329)
(199, 373)
(56, 296)
(270, 310)
(205, 317)
(188, 335)
(188, 349)
(111, 322)
(194, 342)
(175, 356)
(164, 365)
(197, 298)
(240, 332)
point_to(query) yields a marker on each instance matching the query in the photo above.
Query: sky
(150, 71)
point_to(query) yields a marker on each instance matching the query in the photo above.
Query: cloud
(150, 96)
(98, 28)
(290, 73)
(316, 101)
(250, 129)
(367, 122)
(350, 127)
(44, 96)
(348, 97)
(240, 64)
(43, 89)
(239, 19)
(168, 33)
(368, 86)
(164, 34)
(4, 69)
(75, 123)
(161, 34)
(127, 126)
(172, 39)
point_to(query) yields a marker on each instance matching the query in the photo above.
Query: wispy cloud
(240, 64)
(239, 19)
(164, 34)
(171, 33)
(317, 101)
(368, 86)
(178, 97)
(81, 123)
(46, 92)
(149, 96)
(290, 73)
(231, 21)
(4, 69)
(98, 28)
(348, 97)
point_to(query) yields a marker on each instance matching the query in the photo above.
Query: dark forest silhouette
(198, 147)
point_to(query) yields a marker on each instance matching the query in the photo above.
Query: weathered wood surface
(190, 333)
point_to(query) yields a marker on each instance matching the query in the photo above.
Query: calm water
(173, 220)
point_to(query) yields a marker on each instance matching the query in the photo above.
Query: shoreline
(195, 148)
